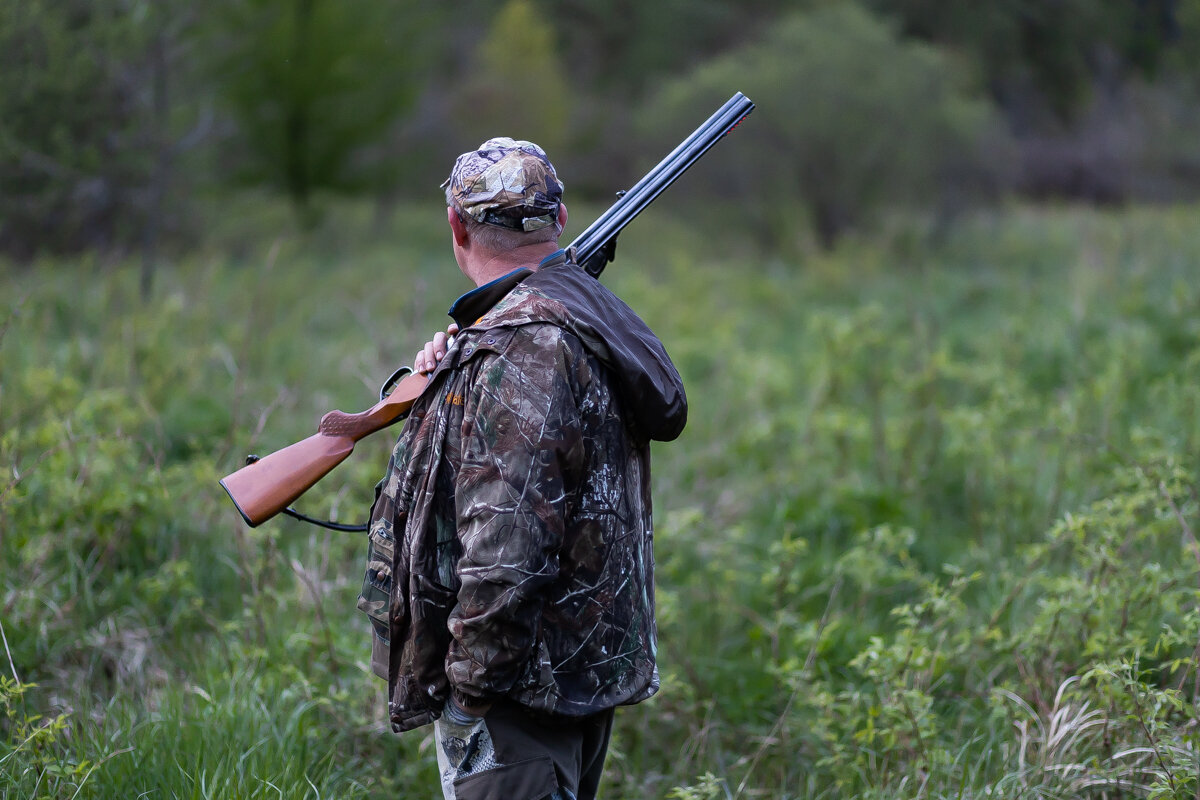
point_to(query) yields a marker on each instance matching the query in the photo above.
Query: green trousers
(516, 754)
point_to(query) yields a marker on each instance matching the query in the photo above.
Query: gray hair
(497, 239)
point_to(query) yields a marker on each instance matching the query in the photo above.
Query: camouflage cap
(506, 182)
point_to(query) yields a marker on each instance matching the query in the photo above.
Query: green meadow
(930, 532)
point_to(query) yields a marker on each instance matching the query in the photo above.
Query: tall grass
(930, 531)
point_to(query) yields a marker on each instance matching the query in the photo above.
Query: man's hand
(427, 357)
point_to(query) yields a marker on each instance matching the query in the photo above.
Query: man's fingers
(429, 355)
(434, 350)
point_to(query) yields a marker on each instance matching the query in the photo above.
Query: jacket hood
(651, 390)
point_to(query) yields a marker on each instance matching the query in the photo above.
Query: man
(510, 576)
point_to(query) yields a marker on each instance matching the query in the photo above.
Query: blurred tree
(312, 85)
(87, 133)
(1091, 89)
(850, 119)
(1183, 59)
(1053, 49)
(622, 47)
(516, 85)
(618, 51)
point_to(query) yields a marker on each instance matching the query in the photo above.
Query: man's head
(507, 194)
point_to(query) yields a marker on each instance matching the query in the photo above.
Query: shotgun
(266, 486)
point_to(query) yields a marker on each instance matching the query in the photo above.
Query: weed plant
(931, 531)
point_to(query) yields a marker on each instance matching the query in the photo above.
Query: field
(931, 531)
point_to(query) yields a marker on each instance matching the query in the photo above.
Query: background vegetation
(117, 117)
(931, 531)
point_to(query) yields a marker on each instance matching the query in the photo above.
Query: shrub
(851, 119)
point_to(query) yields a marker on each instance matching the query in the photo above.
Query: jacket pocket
(375, 598)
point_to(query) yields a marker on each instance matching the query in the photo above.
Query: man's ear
(562, 217)
(457, 227)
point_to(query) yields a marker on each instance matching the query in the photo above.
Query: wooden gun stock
(262, 489)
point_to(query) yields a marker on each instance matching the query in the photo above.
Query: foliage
(850, 119)
(516, 85)
(312, 84)
(625, 47)
(118, 116)
(930, 531)
(1054, 49)
(76, 123)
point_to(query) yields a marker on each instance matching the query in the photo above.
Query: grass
(930, 531)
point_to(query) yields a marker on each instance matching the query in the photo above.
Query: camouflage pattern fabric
(511, 538)
(507, 183)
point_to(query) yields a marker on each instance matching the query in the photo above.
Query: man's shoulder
(534, 341)
(529, 343)
(559, 292)
(527, 319)
(526, 305)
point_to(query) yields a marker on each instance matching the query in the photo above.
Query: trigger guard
(389, 386)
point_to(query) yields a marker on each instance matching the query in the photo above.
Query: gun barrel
(588, 244)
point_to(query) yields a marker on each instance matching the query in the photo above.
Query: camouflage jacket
(510, 544)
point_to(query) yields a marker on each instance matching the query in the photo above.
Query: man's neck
(486, 268)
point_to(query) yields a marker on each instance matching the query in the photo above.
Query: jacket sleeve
(522, 451)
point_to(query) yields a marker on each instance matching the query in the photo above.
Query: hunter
(510, 577)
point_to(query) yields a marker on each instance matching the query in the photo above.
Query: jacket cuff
(474, 705)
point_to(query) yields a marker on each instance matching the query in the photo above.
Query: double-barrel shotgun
(268, 485)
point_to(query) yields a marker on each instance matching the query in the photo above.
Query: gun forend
(262, 489)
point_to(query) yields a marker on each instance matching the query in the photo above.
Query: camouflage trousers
(513, 754)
